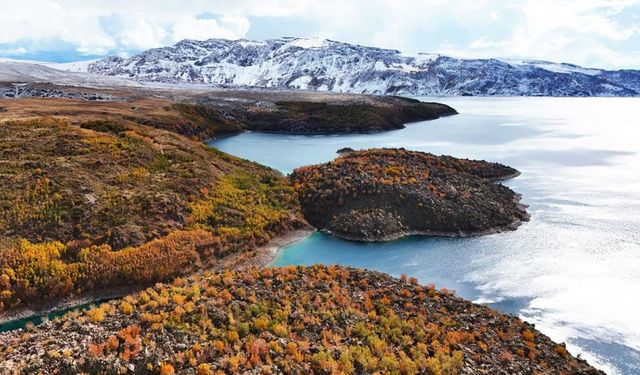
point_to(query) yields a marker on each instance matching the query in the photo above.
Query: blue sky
(598, 33)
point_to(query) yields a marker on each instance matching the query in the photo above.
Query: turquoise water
(572, 270)
(39, 319)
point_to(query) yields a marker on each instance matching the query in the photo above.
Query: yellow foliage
(126, 308)
(245, 207)
(96, 315)
(294, 325)
(28, 270)
(205, 369)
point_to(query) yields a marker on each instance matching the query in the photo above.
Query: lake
(573, 270)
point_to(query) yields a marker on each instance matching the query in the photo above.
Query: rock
(345, 150)
(126, 235)
(384, 194)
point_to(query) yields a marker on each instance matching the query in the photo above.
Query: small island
(385, 194)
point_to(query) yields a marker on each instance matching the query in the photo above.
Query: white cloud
(141, 34)
(587, 32)
(13, 51)
(573, 31)
(94, 27)
(227, 27)
(484, 43)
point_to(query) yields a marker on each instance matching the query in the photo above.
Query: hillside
(102, 204)
(384, 194)
(318, 320)
(325, 65)
(104, 198)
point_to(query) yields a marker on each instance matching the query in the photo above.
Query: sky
(593, 33)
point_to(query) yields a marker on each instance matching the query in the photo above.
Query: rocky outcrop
(384, 194)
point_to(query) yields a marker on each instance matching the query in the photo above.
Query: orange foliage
(167, 369)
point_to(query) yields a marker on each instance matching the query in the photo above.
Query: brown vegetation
(99, 195)
(87, 185)
(203, 115)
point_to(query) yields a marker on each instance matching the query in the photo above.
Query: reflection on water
(39, 319)
(572, 270)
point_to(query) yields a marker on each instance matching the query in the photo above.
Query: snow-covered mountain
(334, 66)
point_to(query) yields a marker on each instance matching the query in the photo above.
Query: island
(385, 194)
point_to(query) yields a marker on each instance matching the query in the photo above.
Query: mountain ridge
(326, 65)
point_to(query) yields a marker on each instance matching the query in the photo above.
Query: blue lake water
(573, 270)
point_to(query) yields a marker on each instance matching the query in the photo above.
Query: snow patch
(424, 58)
(251, 43)
(308, 43)
(554, 67)
(300, 82)
(75, 66)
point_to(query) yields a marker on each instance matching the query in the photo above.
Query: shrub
(167, 369)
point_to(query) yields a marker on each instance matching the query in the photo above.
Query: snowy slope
(333, 66)
(75, 66)
(20, 71)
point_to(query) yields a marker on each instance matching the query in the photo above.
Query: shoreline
(44, 309)
(427, 233)
(267, 253)
(264, 255)
(514, 225)
(506, 177)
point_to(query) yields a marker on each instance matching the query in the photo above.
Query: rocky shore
(385, 194)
